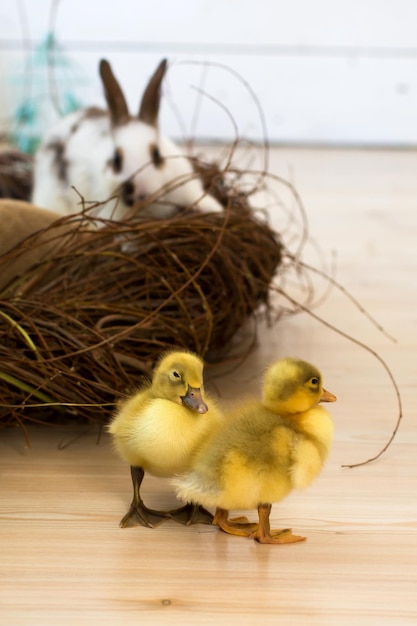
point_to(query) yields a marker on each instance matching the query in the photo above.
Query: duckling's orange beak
(194, 400)
(326, 396)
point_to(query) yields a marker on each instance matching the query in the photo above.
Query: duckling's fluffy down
(257, 457)
(159, 435)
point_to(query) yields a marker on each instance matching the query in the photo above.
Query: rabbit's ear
(149, 106)
(116, 101)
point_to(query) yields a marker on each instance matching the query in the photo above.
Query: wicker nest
(82, 327)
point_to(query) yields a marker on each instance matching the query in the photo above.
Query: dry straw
(82, 327)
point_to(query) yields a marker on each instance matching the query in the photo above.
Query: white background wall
(324, 71)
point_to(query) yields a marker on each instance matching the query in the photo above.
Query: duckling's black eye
(176, 375)
(117, 161)
(315, 381)
(156, 156)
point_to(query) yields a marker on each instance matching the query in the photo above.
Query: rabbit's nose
(128, 193)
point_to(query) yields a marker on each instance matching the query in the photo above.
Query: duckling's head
(179, 377)
(293, 386)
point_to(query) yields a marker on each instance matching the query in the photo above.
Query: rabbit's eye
(117, 161)
(156, 156)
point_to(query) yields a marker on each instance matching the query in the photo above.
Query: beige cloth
(18, 220)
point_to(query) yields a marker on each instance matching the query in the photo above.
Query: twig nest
(82, 326)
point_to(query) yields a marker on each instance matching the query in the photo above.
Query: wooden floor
(63, 558)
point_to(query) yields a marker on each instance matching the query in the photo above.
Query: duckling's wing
(306, 464)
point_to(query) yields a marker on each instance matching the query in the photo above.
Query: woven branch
(81, 328)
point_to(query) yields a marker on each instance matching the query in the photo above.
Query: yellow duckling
(158, 429)
(263, 451)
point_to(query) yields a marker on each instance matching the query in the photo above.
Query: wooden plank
(63, 559)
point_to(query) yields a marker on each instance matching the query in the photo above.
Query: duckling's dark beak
(194, 400)
(326, 396)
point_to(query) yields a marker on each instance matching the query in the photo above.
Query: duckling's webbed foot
(264, 534)
(233, 526)
(139, 514)
(192, 514)
(276, 536)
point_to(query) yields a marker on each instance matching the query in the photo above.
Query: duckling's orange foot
(192, 514)
(237, 526)
(238, 529)
(140, 515)
(276, 536)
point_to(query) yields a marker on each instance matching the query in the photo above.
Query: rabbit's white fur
(79, 152)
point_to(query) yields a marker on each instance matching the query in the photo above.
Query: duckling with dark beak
(157, 430)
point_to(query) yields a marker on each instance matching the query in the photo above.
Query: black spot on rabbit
(90, 113)
(94, 112)
(59, 161)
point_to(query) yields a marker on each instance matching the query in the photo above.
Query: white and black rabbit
(111, 153)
